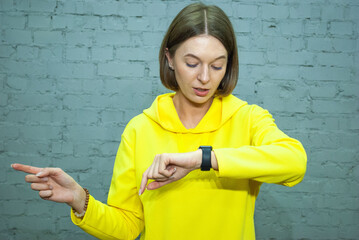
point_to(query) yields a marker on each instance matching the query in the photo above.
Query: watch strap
(206, 158)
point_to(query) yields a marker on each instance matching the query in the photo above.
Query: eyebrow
(194, 56)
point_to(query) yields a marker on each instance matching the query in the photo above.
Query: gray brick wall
(72, 74)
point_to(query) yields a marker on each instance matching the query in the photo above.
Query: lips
(202, 92)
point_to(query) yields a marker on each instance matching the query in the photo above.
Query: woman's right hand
(55, 185)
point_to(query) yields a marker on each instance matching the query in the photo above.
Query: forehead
(202, 46)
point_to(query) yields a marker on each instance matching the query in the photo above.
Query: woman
(204, 151)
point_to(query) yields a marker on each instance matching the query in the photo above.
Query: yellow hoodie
(249, 148)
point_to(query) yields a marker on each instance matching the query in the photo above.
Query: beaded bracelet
(80, 215)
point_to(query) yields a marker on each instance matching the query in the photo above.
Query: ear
(169, 58)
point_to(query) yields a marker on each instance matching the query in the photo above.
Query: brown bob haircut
(197, 19)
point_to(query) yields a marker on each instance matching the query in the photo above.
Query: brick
(41, 85)
(353, 12)
(48, 37)
(256, 58)
(11, 21)
(320, 44)
(71, 70)
(41, 132)
(275, 72)
(62, 147)
(297, 44)
(104, 8)
(152, 38)
(175, 7)
(343, 45)
(323, 91)
(138, 54)
(42, 6)
(77, 53)
(271, 42)
(41, 224)
(34, 100)
(73, 7)
(274, 11)
(305, 11)
(241, 26)
(18, 36)
(291, 28)
(82, 38)
(332, 12)
(295, 58)
(138, 24)
(22, 5)
(153, 67)
(244, 11)
(102, 53)
(341, 28)
(6, 51)
(335, 59)
(39, 21)
(3, 99)
(76, 22)
(13, 208)
(349, 90)
(315, 27)
(6, 5)
(70, 85)
(330, 106)
(24, 68)
(270, 29)
(116, 38)
(27, 53)
(51, 54)
(115, 69)
(126, 86)
(131, 9)
(87, 22)
(113, 23)
(112, 117)
(325, 73)
(155, 9)
(63, 21)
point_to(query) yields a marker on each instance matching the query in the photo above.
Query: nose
(203, 75)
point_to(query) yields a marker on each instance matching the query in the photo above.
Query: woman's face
(199, 65)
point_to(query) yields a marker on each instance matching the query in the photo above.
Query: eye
(191, 65)
(216, 68)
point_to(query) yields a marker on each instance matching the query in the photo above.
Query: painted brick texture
(73, 73)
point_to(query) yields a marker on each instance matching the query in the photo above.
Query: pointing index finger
(143, 183)
(25, 168)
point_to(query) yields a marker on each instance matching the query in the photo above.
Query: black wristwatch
(206, 158)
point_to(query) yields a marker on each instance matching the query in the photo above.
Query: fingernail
(139, 193)
(45, 179)
(11, 165)
(174, 169)
(39, 174)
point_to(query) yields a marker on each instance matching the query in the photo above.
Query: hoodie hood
(163, 112)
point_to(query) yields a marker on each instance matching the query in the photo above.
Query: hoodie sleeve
(122, 217)
(272, 156)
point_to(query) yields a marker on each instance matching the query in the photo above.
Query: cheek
(185, 74)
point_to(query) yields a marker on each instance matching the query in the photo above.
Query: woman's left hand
(170, 167)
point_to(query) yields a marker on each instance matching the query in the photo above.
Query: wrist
(79, 200)
(198, 158)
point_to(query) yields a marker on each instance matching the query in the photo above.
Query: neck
(188, 112)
